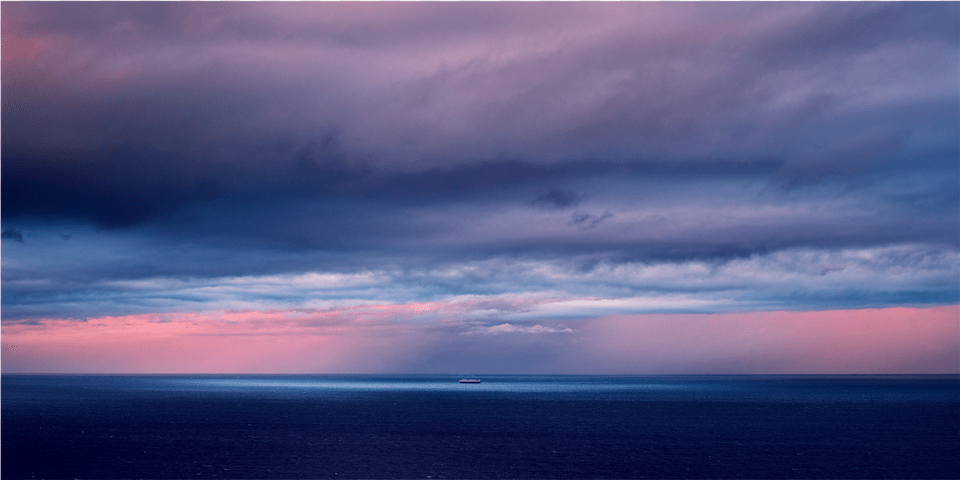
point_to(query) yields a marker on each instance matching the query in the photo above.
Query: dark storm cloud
(126, 186)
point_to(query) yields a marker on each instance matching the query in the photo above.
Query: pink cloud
(22, 52)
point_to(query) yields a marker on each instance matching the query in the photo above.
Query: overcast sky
(481, 187)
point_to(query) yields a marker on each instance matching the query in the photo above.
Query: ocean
(510, 426)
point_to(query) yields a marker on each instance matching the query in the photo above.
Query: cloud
(557, 199)
(94, 275)
(509, 164)
(13, 234)
(587, 221)
(509, 328)
(848, 158)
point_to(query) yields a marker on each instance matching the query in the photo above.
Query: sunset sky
(469, 188)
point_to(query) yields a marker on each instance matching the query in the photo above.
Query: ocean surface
(431, 426)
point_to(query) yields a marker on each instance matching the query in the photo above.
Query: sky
(469, 188)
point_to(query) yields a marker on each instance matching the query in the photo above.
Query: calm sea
(411, 426)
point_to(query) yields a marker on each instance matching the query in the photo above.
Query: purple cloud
(208, 142)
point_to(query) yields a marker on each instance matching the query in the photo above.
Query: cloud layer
(524, 165)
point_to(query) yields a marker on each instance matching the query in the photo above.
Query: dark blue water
(506, 427)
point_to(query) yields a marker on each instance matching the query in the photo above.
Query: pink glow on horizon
(891, 340)
(412, 338)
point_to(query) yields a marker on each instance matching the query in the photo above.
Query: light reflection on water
(698, 388)
(518, 384)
